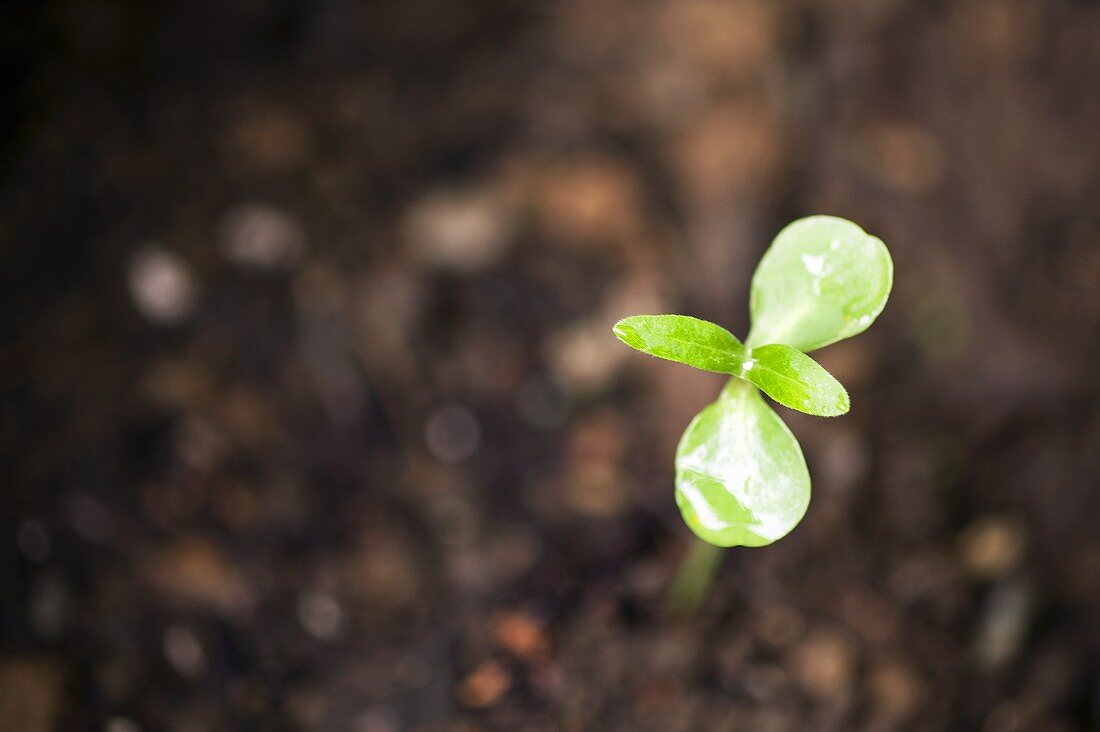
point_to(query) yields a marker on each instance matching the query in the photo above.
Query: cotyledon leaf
(683, 339)
(795, 380)
(822, 280)
(741, 479)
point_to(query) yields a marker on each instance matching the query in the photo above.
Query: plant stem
(692, 581)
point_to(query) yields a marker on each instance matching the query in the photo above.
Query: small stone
(184, 651)
(383, 574)
(764, 682)
(485, 685)
(161, 286)
(722, 38)
(195, 572)
(263, 237)
(512, 552)
(991, 547)
(452, 433)
(1003, 625)
(320, 614)
(521, 634)
(896, 691)
(462, 230)
(583, 358)
(734, 150)
(824, 664)
(590, 201)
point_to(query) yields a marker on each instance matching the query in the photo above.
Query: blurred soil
(312, 417)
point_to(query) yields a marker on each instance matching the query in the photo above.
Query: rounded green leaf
(822, 280)
(741, 479)
(795, 380)
(683, 339)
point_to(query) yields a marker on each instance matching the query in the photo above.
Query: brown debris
(521, 634)
(195, 572)
(485, 685)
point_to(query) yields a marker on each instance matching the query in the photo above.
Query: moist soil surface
(313, 419)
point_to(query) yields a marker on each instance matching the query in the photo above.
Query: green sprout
(741, 479)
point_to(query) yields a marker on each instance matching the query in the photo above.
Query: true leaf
(741, 479)
(795, 380)
(683, 339)
(822, 280)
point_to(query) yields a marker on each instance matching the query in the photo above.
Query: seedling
(741, 479)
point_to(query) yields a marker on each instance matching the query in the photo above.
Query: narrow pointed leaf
(683, 339)
(822, 280)
(741, 479)
(795, 380)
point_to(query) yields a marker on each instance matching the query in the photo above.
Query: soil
(312, 418)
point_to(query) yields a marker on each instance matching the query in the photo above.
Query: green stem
(736, 387)
(692, 581)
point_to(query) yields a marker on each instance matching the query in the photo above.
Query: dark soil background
(312, 417)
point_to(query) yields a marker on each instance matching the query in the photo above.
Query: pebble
(195, 572)
(262, 237)
(764, 682)
(1003, 625)
(590, 201)
(383, 574)
(991, 547)
(521, 634)
(320, 614)
(722, 39)
(464, 230)
(512, 552)
(184, 651)
(896, 691)
(485, 685)
(583, 358)
(824, 665)
(452, 433)
(161, 286)
(735, 149)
